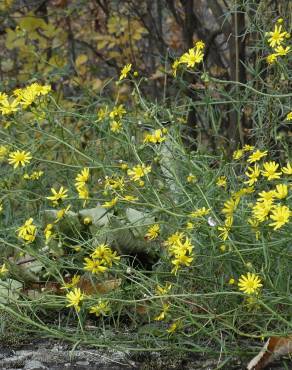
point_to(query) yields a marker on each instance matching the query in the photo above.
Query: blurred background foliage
(79, 46)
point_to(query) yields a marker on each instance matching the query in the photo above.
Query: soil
(52, 355)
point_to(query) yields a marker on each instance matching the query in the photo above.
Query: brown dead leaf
(274, 348)
(89, 287)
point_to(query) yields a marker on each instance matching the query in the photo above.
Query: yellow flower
(277, 36)
(288, 169)
(105, 255)
(237, 154)
(281, 191)
(281, 51)
(58, 196)
(82, 178)
(139, 171)
(247, 148)
(62, 213)
(221, 181)
(34, 176)
(289, 116)
(49, 234)
(271, 58)
(174, 67)
(130, 198)
(192, 57)
(222, 248)
(75, 297)
(163, 313)
(102, 308)
(111, 203)
(163, 290)
(266, 196)
(181, 260)
(200, 212)
(7, 107)
(102, 113)
(94, 266)
(87, 220)
(83, 193)
(191, 178)
(3, 269)
(280, 215)
(174, 326)
(226, 228)
(116, 126)
(124, 72)
(231, 281)
(156, 137)
(253, 175)
(114, 183)
(174, 239)
(249, 283)
(262, 209)
(72, 283)
(117, 112)
(153, 232)
(3, 151)
(200, 45)
(270, 170)
(256, 156)
(28, 231)
(19, 158)
(230, 206)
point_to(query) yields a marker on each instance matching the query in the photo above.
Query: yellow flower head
(117, 112)
(272, 58)
(125, 71)
(289, 116)
(200, 212)
(163, 313)
(250, 283)
(276, 36)
(19, 158)
(281, 191)
(237, 154)
(230, 206)
(271, 170)
(28, 231)
(59, 195)
(160, 290)
(110, 203)
(139, 171)
(221, 181)
(94, 266)
(105, 255)
(3, 269)
(82, 178)
(262, 209)
(3, 151)
(256, 156)
(280, 215)
(288, 169)
(74, 298)
(253, 175)
(116, 126)
(192, 57)
(153, 232)
(101, 309)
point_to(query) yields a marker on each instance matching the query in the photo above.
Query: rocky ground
(51, 355)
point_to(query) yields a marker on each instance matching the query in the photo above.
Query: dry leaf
(273, 349)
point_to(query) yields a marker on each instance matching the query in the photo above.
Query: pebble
(34, 365)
